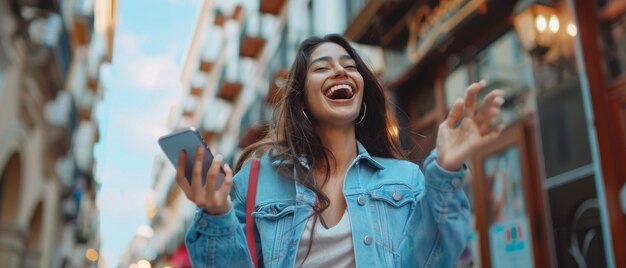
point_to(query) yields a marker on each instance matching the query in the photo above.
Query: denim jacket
(399, 217)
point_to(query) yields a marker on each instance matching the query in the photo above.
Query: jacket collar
(361, 154)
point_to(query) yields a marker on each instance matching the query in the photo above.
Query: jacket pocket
(395, 195)
(273, 212)
(392, 205)
(274, 222)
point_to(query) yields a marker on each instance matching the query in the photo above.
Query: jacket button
(202, 223)
(396, 196)
(274, 211)
(456, 182)
(367, 240)
(361, 200)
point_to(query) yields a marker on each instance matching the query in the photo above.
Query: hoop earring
(364, 112)
(305, 116)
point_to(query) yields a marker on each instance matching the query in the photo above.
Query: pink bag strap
(253, 180)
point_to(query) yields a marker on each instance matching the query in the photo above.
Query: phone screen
(188, 140)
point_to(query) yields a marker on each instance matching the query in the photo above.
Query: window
(577, 225)
(455, 85)
(563, 128)
(613, 36)
(503, 65)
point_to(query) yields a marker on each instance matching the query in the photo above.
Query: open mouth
(340, 92)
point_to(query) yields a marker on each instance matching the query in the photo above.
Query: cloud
(146, 72)
(154, 73)
(128, 43)
(145, 131)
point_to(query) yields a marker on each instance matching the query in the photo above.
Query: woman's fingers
(470, 97)
(205, 196)
(180, 174)
(213, 174)
(216, 201)
(196, 173)
(489, 110)
(456, 112)
(492, 99)
(224, 190)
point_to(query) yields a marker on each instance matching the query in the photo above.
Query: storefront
(546, 193)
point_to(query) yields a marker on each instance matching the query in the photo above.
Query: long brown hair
(291, 135)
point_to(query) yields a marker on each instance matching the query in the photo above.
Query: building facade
(545, 194)
(51, 53)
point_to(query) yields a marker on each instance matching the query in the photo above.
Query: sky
(141, 86)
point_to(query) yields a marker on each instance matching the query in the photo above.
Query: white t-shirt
(331, 247)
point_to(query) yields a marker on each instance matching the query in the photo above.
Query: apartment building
(51, 54)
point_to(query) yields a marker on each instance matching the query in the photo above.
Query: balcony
(256, 29)
(198, 83)
(189, 107)
(206, 66)
(82, 144)
(49, 52)
(232, 77)
(251, 46)
(220, 19)
(221, 16)
(230, 91)
(81, 33)
(83, 22)
(92, 85)
(216, 114)
(57, 111)
(211, 48)
(271, 6)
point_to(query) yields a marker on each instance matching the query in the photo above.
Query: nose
(340, 71)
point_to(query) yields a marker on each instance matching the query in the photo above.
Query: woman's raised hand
(467, 128)
(214, 202)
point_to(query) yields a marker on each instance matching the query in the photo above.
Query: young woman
(332, 190)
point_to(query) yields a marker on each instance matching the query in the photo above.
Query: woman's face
(334, 87)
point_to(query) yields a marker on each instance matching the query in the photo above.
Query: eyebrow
(328, 58)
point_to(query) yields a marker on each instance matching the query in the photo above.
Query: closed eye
(351, 67)
(320, 69)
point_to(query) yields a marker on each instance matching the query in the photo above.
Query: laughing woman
(333, 189)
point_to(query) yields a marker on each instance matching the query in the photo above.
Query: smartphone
(188, 140)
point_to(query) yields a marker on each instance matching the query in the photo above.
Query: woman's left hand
(466, 128)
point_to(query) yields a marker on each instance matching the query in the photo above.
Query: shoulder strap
(253, 179)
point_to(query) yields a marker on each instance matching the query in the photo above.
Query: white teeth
(337, 87)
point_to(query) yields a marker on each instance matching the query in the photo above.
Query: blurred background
(88, 86)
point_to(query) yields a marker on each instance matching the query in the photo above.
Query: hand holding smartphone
(188, 140)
